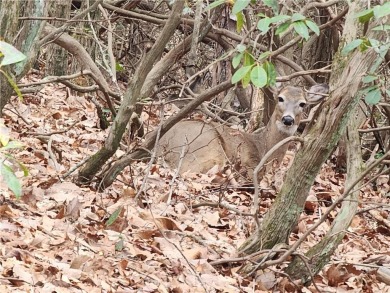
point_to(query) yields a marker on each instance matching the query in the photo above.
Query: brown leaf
(267, 279)
(6, 212)
(337, 274)
(167, 224)
(78, 261)
(73, 208)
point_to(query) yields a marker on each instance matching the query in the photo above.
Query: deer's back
(206, 145)
(198, 141)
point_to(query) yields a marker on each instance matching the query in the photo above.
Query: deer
(199, 146)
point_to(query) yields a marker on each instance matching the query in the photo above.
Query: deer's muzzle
(288, 120)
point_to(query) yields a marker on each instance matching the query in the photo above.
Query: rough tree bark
(319, 255)
(155, 74)
(131, 97)
(319, 142)
(26, 38)
(57, 58)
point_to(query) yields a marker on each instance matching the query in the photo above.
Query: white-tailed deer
(201, 145)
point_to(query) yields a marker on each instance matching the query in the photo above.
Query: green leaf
(378, 61)
(114, 216)
(248, 59)
(11, 54)
(240, 5)
(388, 93)
(273, 4)
(381, 10)
(365, 15)
(236, 60)
(365, 90)
(369, 78)
(365, 45)
(119, 245)
(264, 55)
(24, 168)
(382, 50)
(282, 28)
(240, 73)
(119, 67)
(214, 4)
(240, 21)
(297, 17)
(351, 46)
(373, 43)
(11, 180)
(246, 80)
(241, 48)
(271, 73)
(10, 158)
(259, 76)
(373, 97)
(279, 18)
(263, 25)
(301, 28)
(313, 26)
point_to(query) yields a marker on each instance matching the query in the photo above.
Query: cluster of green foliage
(8, 164)
(260, 70)
(374, 83)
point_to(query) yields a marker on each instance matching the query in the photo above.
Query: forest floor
(64, 238)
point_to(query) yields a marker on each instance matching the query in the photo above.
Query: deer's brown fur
(204, 145)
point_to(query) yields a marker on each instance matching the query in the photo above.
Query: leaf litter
(63, 238)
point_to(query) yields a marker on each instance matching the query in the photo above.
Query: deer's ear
(317, 93)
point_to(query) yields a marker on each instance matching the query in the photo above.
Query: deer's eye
(302, 105)
(281, 99)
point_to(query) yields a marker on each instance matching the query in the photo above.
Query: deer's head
(291, 102)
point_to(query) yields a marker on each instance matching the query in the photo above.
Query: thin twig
(346, 193)
(151, 161)
(53, 35)
(51, 79)
(179, 250)
(182, 154)
(74, 168)
(223, 205)
(54, 132)
(304, 260)
(374, 129)
(260, 166)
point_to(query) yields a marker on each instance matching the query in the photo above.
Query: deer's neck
(270, 136)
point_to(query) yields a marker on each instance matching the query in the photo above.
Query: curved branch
(132, 95)
(261, 164)
(142, 152)
(58, 31)
(73, 46)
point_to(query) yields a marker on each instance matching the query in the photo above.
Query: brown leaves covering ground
(60, 237)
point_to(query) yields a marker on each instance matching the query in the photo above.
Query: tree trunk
(131, 97)
(26, 42)
(9, 12)
(323, 135)
(319, 255)
(56, 57)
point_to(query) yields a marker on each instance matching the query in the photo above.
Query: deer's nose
(288, 120)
